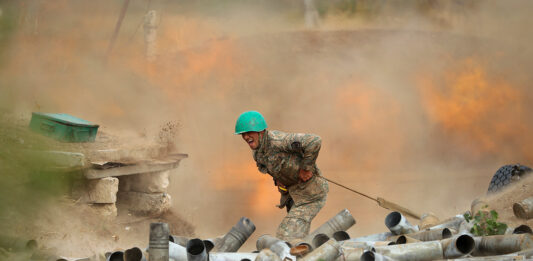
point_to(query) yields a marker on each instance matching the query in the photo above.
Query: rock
(154, 182)
(101, 190)
(145, 203)
(105, 209)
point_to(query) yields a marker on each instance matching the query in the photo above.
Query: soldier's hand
(305, 175)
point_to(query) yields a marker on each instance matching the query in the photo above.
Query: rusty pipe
(134, 254)
(398, 224)
(430, 250)
(158, 247)
(235, 238)
(319, 240)
(328, 251)
(458, 246)
(115, 256)
(196, 250)
(404, 239)
(283, 250)
(340, 222)
(351, 254)
(372, 256)
(522, 229)
(266, 241)
(431, 235)
(451, 223)
(524, 208)
(341, 236)
(501, 244)
(267, 255)
(374, 237)
(227, 256)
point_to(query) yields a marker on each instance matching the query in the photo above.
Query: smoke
(418, 103)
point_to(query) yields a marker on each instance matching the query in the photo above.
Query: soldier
(290, 159)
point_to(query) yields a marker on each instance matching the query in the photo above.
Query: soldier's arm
(307, 145)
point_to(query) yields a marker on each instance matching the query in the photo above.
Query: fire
(471, 107)
(244, 177)
(367, 111)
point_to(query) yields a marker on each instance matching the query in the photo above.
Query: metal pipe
(196, 250)
(398, 224)
(319, 240)
(372, 256)
(404, 239)
(524, 209)
(235, 238)
(283, 250)
(501, 244)
(351, 254)
(428, 220)
(267, 255)
(176, 252)
(232, 256)
(375, 237)
(341, 235)
(431, 235)
(458, 246)
(180, 240)
(522, 229)
(451, 223)
(430, 250)
(328, 251)
(158, 247)
(340, 222)
(116, 256)
(134, 254)
(266, 241)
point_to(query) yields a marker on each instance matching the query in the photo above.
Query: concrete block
(145, 203)
(101, 190)
(105, 210)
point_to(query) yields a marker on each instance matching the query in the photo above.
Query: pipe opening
(341, 235)
(392, 243)
(246, 259)
(116, 256)
(133, 254)
(401, 240)
(446, 233)
(171, 239)
(368, 256)
(393, 219)
(208, 245)
(195, 246)
(465, 244)
(300, 249)
(522, 229)
(319, 240)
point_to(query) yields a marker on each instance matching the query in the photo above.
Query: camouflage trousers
(298, 221)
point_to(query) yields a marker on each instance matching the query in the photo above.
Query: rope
(357, 192)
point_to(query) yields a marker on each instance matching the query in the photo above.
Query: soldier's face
(252, 138)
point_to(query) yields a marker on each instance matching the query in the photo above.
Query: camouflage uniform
(282, 155)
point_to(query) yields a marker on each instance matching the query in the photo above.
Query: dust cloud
(419, 103)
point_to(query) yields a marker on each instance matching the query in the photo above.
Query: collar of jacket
(263, 142)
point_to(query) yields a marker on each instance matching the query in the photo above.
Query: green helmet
(250, 121)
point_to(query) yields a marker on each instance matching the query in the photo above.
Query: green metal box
(63, 127)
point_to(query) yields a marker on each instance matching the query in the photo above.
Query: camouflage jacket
(282, 155)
